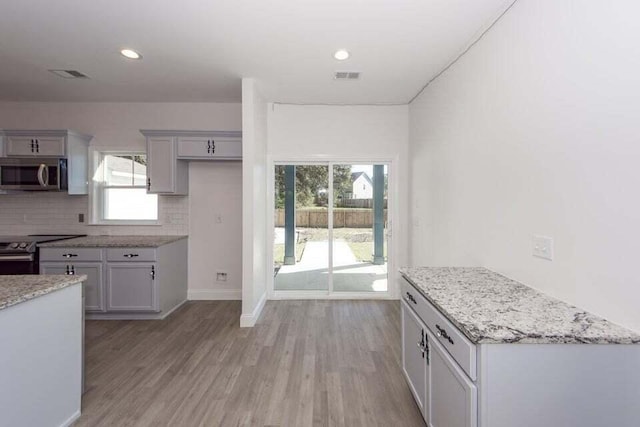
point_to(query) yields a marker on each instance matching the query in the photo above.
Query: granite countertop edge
(124, 241)
(58, 282)
(461, 327)
(630, 338)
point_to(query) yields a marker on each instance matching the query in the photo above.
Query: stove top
(28, 244)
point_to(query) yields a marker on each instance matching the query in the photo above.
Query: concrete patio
(349, 275)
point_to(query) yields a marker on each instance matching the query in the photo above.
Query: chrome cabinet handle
(153, 272)
(71, 270)
(130, 255)
(69, 255)
(148, 184)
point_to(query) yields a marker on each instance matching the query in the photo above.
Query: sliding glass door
(330, 227)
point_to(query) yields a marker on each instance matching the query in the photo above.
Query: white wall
(535, 130)
(314, 132)
(214, 188)
(254, 259)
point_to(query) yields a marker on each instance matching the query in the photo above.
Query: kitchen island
(480, 349)
(40, 349)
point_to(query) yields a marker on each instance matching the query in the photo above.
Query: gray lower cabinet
(93, 286)
(414, 356)
(125, 282)
(459, 383)
(453, 394)
(131, 287)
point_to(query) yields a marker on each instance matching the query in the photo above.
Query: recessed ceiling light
(131, 54)
(341, 55)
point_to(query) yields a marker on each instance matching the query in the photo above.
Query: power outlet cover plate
(543, 247)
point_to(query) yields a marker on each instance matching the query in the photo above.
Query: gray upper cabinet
(41, 146)
(66, 144)
(169, 153)
(210, 146)
(165, 173)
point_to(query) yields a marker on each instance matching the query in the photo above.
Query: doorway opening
(331, 227)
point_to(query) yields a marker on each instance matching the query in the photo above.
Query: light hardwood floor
(306, 363)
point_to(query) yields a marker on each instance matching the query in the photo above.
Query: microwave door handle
(43, 175)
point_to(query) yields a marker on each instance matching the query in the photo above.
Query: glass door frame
(392, 250)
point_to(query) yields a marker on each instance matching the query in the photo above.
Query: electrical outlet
(543, 247)
(80, 217)
(221, 277)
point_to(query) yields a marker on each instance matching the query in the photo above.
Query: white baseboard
(72, 419)
(249, 320)
(214, 294)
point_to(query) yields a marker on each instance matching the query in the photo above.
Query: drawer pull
(442, 333)
(130, 255)
(411, 298)
(69, 255)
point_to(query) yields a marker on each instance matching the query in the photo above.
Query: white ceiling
(199, 50)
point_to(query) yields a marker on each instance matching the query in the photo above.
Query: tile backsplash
(53, 213)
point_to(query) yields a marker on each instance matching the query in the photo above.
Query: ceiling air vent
(69, 74)
(346, 75)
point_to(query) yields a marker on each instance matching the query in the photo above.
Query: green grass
(278, 252)
(363, 251)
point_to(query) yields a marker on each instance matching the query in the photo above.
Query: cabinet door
(161, 168)
(414, 357)
(93, 286)
(453, 395)
(20, 146)
(131, 287)
(195, 147)
(227, 148)
(214, 148)
(52, 146)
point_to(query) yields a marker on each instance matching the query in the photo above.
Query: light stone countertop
(113, 242)
(490, 309)
(17, 289)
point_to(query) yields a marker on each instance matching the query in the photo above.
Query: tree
(312, 183)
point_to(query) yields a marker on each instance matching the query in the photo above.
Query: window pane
(118, 170)
(130, 204)
(140, 169)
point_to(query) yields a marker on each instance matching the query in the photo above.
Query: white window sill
(126, 222)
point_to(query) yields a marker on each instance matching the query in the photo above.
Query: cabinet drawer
(457, 345)
(71, 254)
(131, 254)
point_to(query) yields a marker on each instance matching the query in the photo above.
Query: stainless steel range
(19, 254)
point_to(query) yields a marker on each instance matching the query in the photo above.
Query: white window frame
(97, 187)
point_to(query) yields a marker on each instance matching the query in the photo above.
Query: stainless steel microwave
(33, 174)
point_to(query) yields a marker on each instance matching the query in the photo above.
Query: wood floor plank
(306, 363)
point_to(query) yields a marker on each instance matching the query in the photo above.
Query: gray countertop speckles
(490, 308)
(113, 242)
(17, 289)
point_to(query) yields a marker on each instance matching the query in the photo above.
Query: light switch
(543, 247)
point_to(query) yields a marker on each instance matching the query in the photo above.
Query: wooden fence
(318, 218)
(358, 203)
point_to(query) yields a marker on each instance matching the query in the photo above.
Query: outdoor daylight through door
(330, 228)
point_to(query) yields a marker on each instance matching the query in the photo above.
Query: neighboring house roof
(356, 175)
